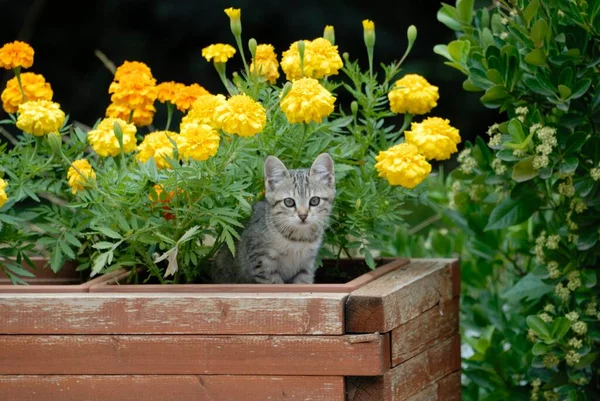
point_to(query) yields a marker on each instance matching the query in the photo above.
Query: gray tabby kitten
(284, 234)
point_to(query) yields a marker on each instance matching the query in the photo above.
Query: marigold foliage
(241, 115)
(40, 117)
(265, 63)
(403, 165)
(203, 111)
(3, 196)
(321, 59)
(158, 146)
(104, 140)
(218, 53)
(16, 54)
(307, 101)
(188, 95)
(434, 137)
(414, 95)
(198, 142)
(80, 175)
(34, 86)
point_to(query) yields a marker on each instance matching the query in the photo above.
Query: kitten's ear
(275, 172)
(322, 169)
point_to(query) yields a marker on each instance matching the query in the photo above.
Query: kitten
(282, 239)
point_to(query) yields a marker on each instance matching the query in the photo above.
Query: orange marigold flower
(188, 95)
(168, 90)
(218, 53)
(16, 54)
(265, 63)
(34, 86)
(142, 116)
(203, 111)
(133, 68)
(157, 145)
(134, 91)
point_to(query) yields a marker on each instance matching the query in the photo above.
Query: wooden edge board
(160, 388)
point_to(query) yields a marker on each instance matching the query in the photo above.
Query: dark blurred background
(169, 35)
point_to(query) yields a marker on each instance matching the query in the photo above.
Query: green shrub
(525, 201)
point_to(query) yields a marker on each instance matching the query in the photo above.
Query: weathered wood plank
(401, 295)
(50, 285)
(449, 388)
(96, 313)
(411, 377)
(424, 331)
(359, 355)
(181, 388)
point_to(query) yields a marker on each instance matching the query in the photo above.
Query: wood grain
(359, 355)
(176, 387)
(412, 377)
(95, 313)
(424, 331)
(401, 295)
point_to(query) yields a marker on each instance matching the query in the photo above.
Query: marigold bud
(329, 34)
(55, 142)
(411, 34)
(354, 107)
(252, 45)
(369, 33)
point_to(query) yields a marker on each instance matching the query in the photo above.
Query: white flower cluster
(547, 137)
(466, 161)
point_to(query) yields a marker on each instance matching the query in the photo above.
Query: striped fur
(277, 245)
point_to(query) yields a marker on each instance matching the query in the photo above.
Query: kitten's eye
(314, 201)
(289, 202)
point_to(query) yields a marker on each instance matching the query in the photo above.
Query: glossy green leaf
(495, 96)
(464, 10)
(580, 88)
(538, 32)
(538, 326)
(569, 165)
(536, 57)
(530, 11)
(564, 92)
(513, 211)
(448, 16)
(529, 288)
(524, 171)
(560, 327)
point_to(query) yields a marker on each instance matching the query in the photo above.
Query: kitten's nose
(303, 216)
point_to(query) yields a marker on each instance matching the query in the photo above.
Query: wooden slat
(411, 377)
(180, 388)
(360, 355)
(449, 388)
(96, 313)
(401, 295)
(424, 331)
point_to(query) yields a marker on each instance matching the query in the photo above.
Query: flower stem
(17, 71)
(169, 115)
(238, 41)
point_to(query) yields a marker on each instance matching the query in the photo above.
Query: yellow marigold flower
(40, 117)
(241, 115)
(321, 59)
(203, 111)
(307, 101)
(157, 145)
(403, 165)
(167, 91)
(16, 54)
(188, 95)
(135, 68)
(265, 63)
(3, 196)
(413, 94)
(142, 116)
(104, 141)
(218, 53)
(80, 174)
(198, 141)
(34, 86)
(434, 137)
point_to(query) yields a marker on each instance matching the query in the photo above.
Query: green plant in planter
(123, 193)
(530, 196)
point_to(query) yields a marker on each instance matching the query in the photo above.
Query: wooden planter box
(391, 334)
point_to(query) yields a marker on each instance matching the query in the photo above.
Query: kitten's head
(300, 200)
